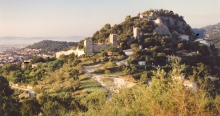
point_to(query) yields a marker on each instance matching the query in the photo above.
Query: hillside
(52, 46)
(162, 74)
(172, 23)
(211, 33)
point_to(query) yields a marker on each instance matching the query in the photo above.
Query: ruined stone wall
(76, 52)
(98, 47)
(58, 54)
(80, 52)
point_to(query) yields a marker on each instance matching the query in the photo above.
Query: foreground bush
(164, 97)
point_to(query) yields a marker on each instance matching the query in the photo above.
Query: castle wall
(98, 48)
(58, 54)
(79, 53)
(76, 52)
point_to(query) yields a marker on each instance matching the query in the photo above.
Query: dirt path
(31, 93)
(117, 82)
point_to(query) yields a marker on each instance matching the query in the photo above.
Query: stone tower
(136, 32)
(88, 47)
(113, 39)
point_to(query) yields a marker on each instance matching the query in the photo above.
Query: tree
(134, 47)
(129, 61)
(75, 74)
(180, 46)
(9, 106)
(76, 62)
(5, 90)
(55, 64)
(161, 58)
(143, 77)
(51, 108)
(202, 70)
(128, 18)
(30, 107)
(37, 59)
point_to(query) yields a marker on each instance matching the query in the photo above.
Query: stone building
(90, 47)
(113, 39)
(136, 32)
(94, 47)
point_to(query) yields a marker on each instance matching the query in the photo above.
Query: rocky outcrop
(162, 29)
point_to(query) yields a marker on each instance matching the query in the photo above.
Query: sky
(64, 18)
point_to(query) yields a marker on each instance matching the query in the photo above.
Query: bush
(36, 90)
(107, 72)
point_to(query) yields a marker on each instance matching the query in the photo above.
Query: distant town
(16, 55)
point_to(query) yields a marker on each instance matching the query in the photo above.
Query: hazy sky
(63, 18)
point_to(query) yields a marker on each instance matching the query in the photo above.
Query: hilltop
(51, 46)
(150, 23)
(211, 33)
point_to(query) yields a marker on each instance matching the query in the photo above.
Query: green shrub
(107, 72)
(36, 90)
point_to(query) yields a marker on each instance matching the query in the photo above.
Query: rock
(162, 30)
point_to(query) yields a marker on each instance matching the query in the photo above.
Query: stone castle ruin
(161, 29)
(90, 47)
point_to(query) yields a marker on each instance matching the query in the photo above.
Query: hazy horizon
(55, 18)
(31, 40)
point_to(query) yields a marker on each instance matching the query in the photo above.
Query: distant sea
(31, 40)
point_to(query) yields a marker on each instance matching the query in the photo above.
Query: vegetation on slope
(124, 30)
(51, 46)
(215, 39)
(164, 96)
